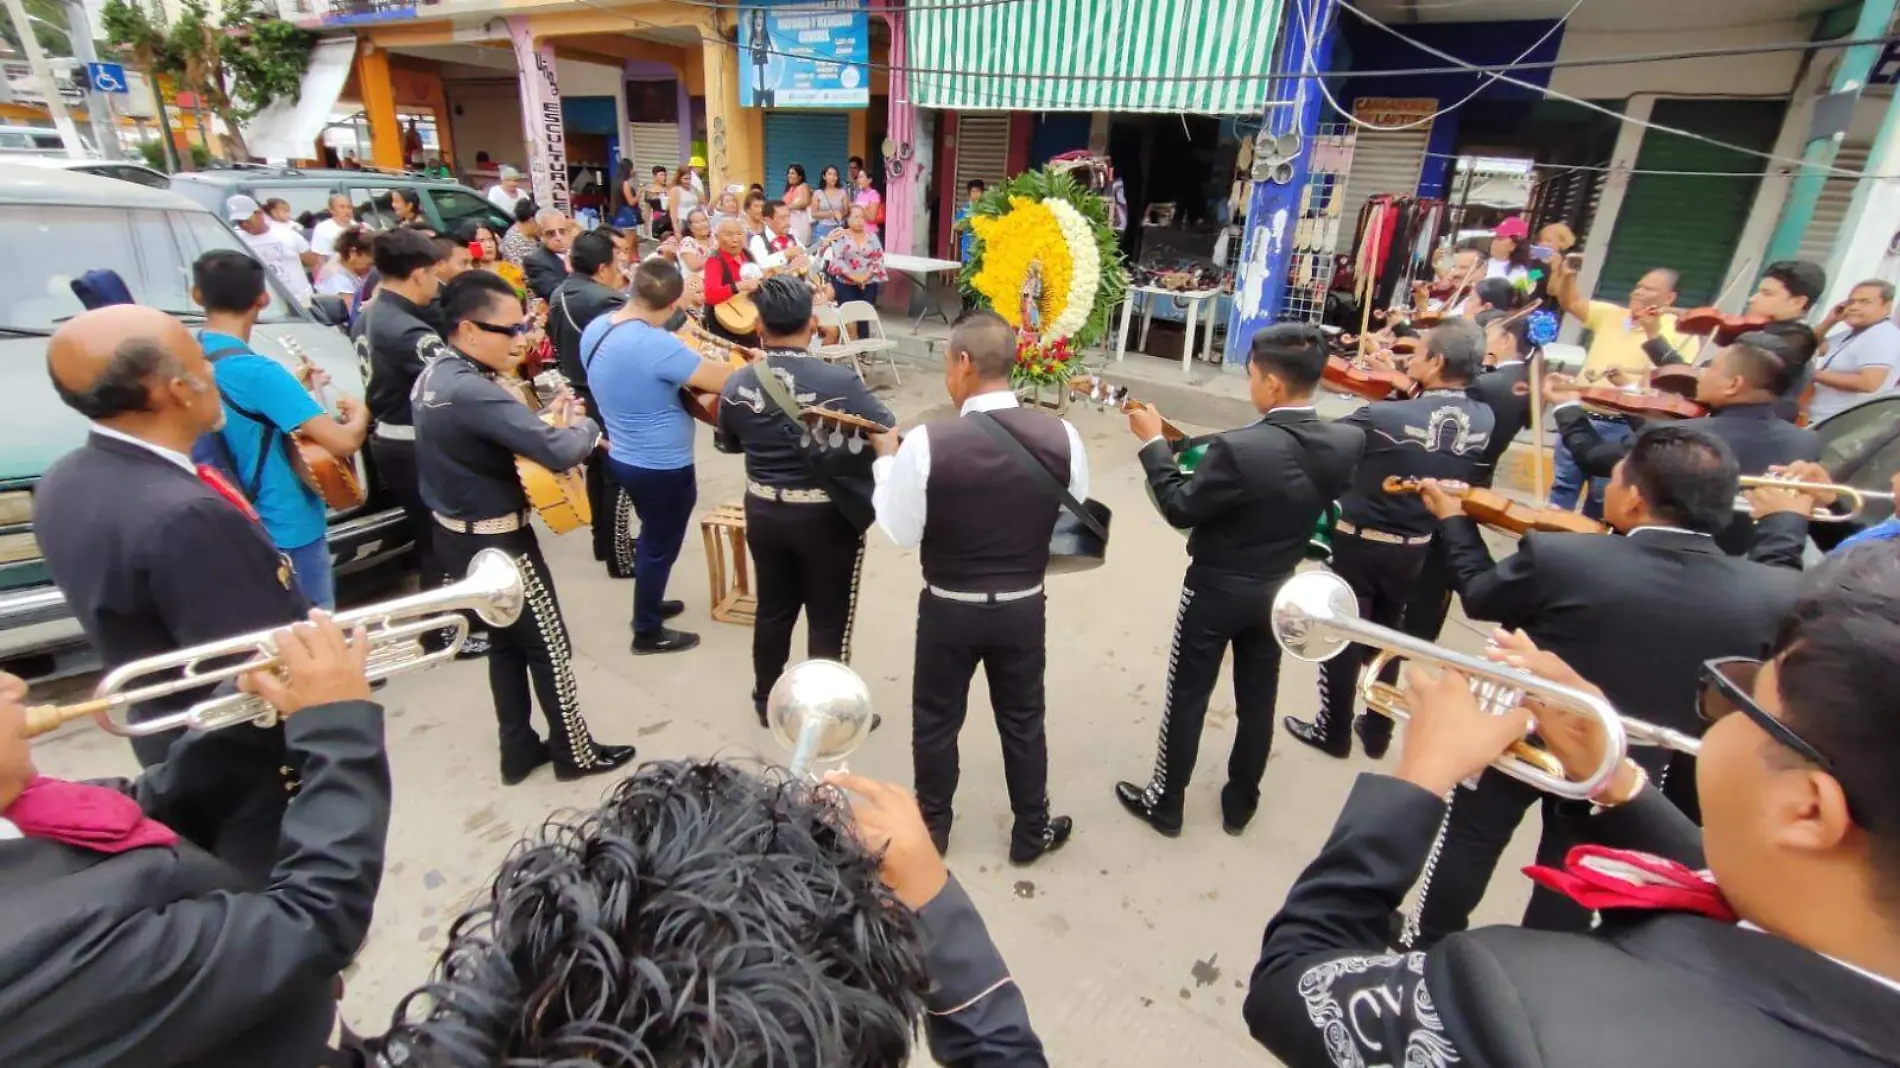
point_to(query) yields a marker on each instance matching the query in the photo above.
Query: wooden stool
(727, 564)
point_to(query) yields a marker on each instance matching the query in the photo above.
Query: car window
(1848, 438)
(459, 207)
(201, 233)
(372, 206)
(308, 197)
(48, 246)
(141, 176)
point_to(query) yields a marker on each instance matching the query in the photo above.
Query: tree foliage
(238, 63)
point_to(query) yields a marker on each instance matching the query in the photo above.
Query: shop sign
(1392, 111)
(805, 55)
(362, 12)
(541, 115)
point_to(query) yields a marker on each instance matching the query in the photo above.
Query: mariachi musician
(728, 274)
(1787, 952)
(1381, 542)
(469, 430)
(1784, 297)
(1505, 389)
(978, 494)
(1739, 389)
(1249, 507)
(595, 287)
(1636, 614)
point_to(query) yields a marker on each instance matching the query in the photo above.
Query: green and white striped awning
(1036, 55)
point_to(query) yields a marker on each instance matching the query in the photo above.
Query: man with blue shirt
(264, 405)
(961, 222)
(636, 369)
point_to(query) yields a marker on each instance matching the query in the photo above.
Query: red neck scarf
(1599, 878)
(90, 817)
(212, 477)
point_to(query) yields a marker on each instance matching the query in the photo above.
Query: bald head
(129, 361)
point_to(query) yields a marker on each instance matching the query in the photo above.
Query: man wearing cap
(506, 193)
(282, 250)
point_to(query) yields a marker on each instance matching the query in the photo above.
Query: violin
(1680, 379)
(1187, 451)
(1493, 509)
(1345, 376)
(1712, 323)
(1646, 403)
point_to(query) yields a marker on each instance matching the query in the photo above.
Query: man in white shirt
(288, 255)
(506, 193)
(1862, 350)
(776, 246)
(978, 494)
(342, 217)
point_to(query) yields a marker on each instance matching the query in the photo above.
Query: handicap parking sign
(107, 77)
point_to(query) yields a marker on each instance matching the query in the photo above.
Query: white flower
(1085, 274)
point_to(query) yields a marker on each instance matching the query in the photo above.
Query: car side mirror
(330, 309)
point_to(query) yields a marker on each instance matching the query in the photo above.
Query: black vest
(987, 519)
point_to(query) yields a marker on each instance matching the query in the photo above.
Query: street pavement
(1131, 949)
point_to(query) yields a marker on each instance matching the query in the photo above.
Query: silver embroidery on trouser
(1409, 931)
(566, 719)
(1159, 782)
(622, 530)
(851, 604)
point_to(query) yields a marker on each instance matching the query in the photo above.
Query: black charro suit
(1758, 437)
(1505, 389)
(165, 957)
(152, 560)
(1637, 615)
(1250, 507)
(1645, 988)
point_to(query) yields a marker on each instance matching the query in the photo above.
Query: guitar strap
(587, 359)
(1014, 446)
(266, 428)
(794, 429)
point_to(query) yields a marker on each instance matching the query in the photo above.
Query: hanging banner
(541, 118)
(805, 55)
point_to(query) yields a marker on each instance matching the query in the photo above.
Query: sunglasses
(1727, 686)
(516, 330)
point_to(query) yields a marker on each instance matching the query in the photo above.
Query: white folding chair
(829, 319)
(866, 348)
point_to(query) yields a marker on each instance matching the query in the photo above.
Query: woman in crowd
(697, 244)
(405, 207)
(798, 199)
(654, 196)
(868, 199)
(344, 273)
(856, 261)
(483, 247)
(727, 205)
(623, 212)
(524, 236)
(828, 203)
(682, 199)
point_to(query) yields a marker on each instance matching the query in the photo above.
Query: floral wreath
(1049, 221)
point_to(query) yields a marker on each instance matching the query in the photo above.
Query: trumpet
(1315, 616)
(1856, 498)
(820, 710)
(493, 591)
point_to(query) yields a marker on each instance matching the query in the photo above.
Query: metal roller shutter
(1382, 163)
(1830, 211)
(982, 149)
(813, 139)
(654, 144)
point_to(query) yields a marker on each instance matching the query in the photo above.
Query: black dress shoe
(1165, 819)
(1055, 834)
(1375, 733)
(1234, 813)
(475, 646)
(1310, 734)
(518, 766)
(664, 640)
(941, 839)
(606, 758)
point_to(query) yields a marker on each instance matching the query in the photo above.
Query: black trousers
(1219, 610)
(531, 655)
(1380, 574)
(805, 557)
(1479, 826)
(1429, 600)
(613, 517)
(1008, 639)
(396, 467)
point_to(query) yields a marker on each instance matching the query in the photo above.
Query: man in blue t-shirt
(961, 221)
(263, 404)
(635, 370)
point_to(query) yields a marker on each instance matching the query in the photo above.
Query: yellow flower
(1027, 233)
(512, 275)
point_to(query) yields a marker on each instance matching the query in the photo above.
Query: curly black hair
(702, 916)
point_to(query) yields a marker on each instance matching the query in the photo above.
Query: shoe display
(664, 640)
(1310, 734)
(1055, 834)
(1149, 808)
(606, 758)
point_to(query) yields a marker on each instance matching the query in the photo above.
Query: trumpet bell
(1306, 603)
(495, 580)
(820, 710)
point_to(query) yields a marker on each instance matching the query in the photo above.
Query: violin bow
(1747, 268)
(1537, 424)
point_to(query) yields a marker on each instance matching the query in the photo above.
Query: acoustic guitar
(558, 497)
(331, 477)
(703, 405)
